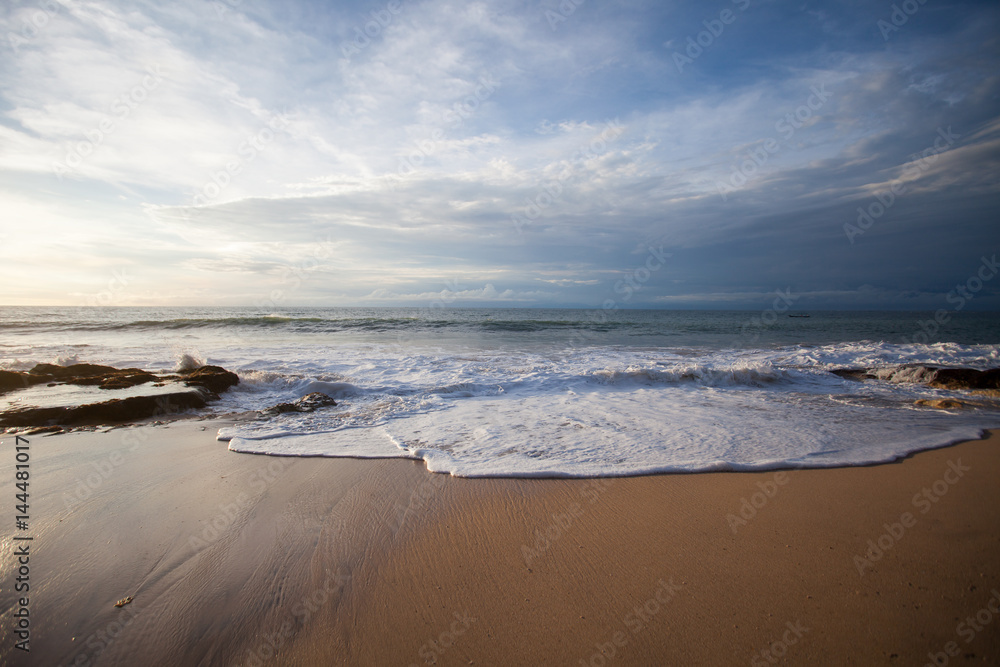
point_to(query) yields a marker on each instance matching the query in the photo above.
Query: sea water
(550, 392)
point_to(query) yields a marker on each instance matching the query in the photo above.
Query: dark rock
(105, 377)
(14, 380)
(127, 378)
(204, 383)
(966, 378)
(72, 371)
(214, 378)
(940, 403)
(279, 409)
(307, 403)
(117, 379)
(118, 410)
(314, 400)
(932, 376)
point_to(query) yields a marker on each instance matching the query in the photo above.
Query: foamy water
(608, 411)
(490, 394)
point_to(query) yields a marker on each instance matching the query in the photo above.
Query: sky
(578, 153)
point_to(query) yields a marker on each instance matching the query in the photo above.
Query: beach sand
(235, 559)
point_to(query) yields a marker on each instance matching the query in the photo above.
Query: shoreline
(233, 558)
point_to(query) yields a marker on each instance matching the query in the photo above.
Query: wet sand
(246, 560)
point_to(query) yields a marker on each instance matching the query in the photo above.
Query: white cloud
(223, 146)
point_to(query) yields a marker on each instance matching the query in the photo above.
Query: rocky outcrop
(115, 411)
(128, 377)
(72, 371)
(940, 403)
(10, 380)
(213, 378)
(195, 388)
(966, 378)
(932, 376)
(104, 377)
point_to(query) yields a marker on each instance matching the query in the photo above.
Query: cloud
(486, 294)
(302, 148)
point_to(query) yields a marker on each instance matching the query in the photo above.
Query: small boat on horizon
(798, 315)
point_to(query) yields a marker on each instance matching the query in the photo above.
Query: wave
(178, 323)
(747, 374)
(277, 322)
(542, 325)
(331, 389)
(185, 322)
(374, 324)
(188, 362)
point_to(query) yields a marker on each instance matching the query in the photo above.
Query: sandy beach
(235, 559)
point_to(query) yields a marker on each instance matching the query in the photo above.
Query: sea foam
(613, 412)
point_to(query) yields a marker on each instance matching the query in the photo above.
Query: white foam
(331, 389)
(188, 362)
(739, 373)
(612, 411)
(67, 360)
(365, 443)
(657, 430)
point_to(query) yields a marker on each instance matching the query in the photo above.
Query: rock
(14, 380)
(307, 403)
(940, 403)
(72, 371)
(194, 389)
(129, 378)
(105, 377)
(117, 379)
(932, 376)
(966, 378)
(118, 410)
(214, 378)
(315, 400)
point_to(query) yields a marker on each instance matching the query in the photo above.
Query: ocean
(551, 392)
